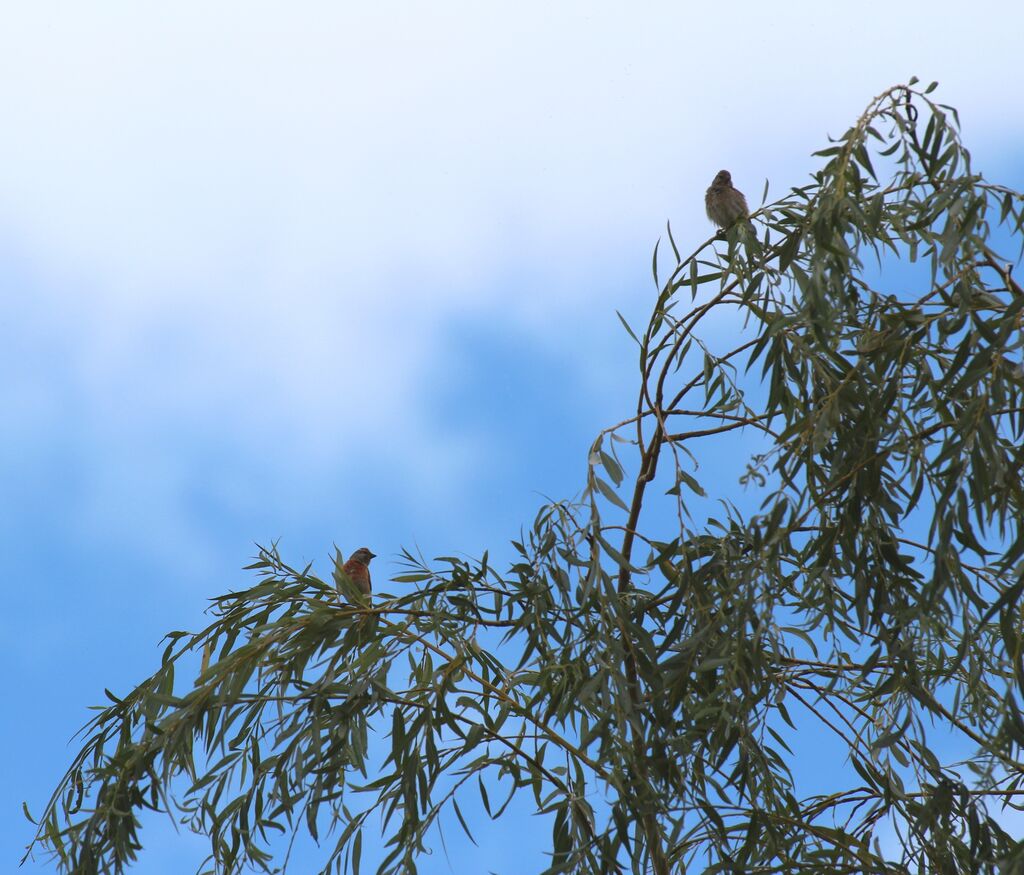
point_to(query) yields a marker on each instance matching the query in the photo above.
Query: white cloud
(200, 144)
(250, 207)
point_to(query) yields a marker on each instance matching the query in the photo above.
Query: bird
(725, 204)
(357, 569)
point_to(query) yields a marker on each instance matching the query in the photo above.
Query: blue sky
(329, 274)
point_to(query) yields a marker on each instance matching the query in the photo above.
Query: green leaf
(612, 467)
(609, 493)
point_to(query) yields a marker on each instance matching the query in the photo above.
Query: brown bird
(725, 205)
(358, 569)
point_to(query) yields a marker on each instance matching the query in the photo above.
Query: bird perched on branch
(725, 204)
(357, 569)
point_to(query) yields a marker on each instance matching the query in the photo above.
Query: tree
(640, 673)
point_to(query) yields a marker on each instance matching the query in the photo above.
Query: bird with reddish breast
(357, 569)
(725, 204)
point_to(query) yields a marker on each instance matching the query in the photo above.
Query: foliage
(641, 674)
